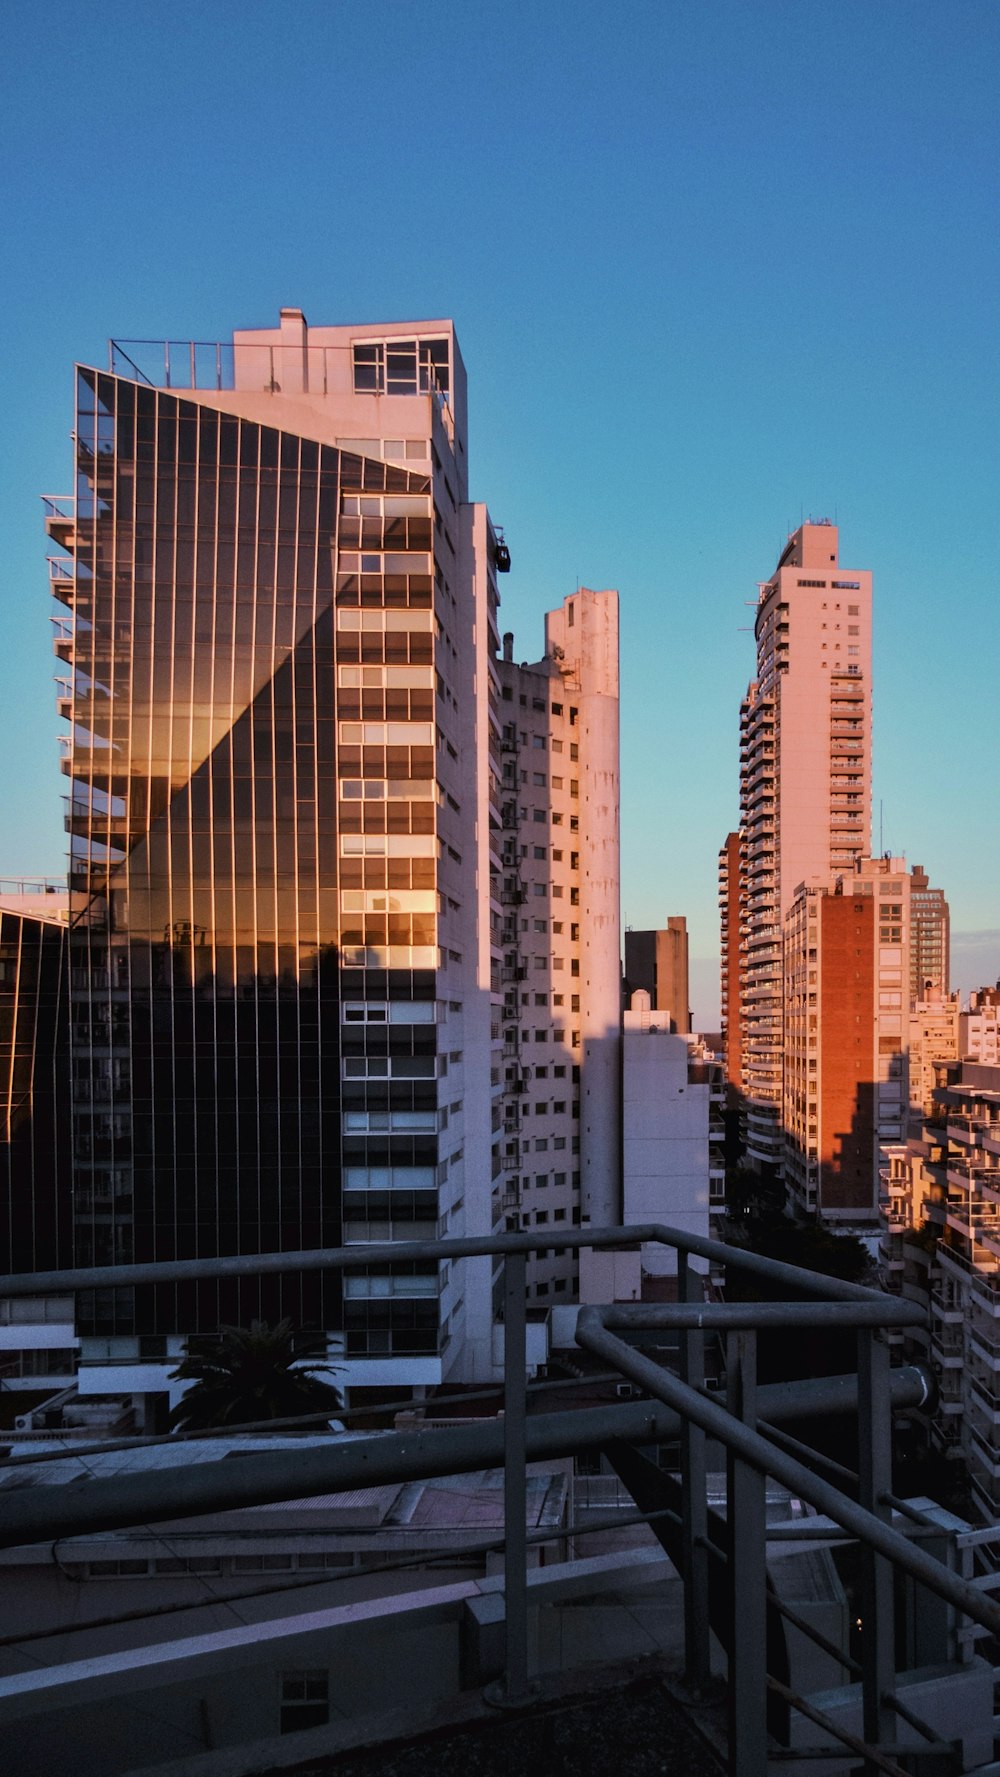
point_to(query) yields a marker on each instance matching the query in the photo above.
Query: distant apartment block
(935, 1036)
(560, 931)
(941, 1235)
(730, 904)
(930, 936)
(657, 964)
(805, 787)
(846, 975)
(980, 1026)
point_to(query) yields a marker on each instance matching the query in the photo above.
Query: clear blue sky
(714, 265)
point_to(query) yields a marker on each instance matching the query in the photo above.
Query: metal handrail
(676, 1406)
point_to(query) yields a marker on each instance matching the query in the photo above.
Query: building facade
(672, 1165)
(278, 619)
(980, 1026)
(560, 932)
(935, 1035)
(846, 975)
(941, 1231)
(930, 936)
(35, 1223)
(730, 904)
(657, 963)
(805, 787)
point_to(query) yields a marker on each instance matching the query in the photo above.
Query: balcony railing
(676, 1406)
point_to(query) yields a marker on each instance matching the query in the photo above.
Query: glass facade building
(276, 631)
(35, 1231)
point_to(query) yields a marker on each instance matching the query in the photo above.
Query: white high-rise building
(561, 932)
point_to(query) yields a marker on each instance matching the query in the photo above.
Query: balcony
(60, 521)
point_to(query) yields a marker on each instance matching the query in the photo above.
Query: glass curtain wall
(252, 864)
(35, 1232)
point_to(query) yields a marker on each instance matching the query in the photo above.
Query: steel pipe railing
(678, 1407)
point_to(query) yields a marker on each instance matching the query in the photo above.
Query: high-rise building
(730, 901)
(930, 936)
(284, 810)
(846, 964)
(561, 931)
(657, 963)
(805, 785)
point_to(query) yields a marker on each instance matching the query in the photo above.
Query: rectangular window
(305, 1699)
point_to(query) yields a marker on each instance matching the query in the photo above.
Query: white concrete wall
(584, 635)
(664, 1136)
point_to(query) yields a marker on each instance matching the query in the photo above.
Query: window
(305, 1700)
(401, 366)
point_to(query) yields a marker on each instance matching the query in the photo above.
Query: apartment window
(305, 1700)
(538, 740)
(401, 366)
(538, 779)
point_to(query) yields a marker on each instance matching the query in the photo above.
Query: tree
(253, 1374)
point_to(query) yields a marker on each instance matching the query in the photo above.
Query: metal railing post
(694, 1506)
(746, 1518)
(515, 1557)
(878, 1654)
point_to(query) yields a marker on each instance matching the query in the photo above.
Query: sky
(715, 267)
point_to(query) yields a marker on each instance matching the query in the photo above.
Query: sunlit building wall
(846, 975)
(935, 1025)
(279, 628)
(805, 785)
(561, 932)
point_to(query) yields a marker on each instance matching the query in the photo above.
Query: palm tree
(253, 1374)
